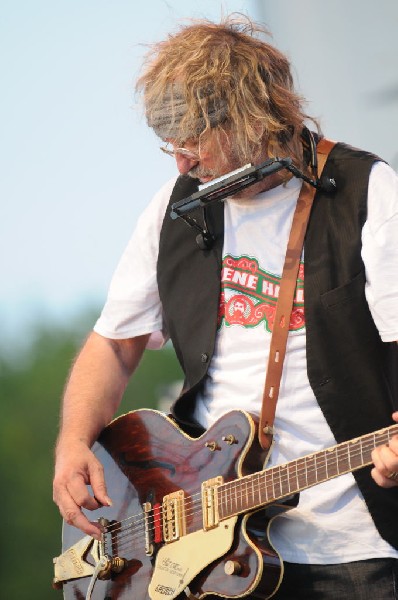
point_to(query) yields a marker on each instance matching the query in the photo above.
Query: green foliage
(30, 391)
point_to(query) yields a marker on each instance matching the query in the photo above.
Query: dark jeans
(374, 579)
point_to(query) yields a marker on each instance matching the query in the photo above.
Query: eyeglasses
(167, 149)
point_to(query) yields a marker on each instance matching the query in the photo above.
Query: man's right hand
(76, 467)
(93, 393)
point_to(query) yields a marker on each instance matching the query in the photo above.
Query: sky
(77, 161)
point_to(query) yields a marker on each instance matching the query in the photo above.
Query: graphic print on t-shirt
(249, 295)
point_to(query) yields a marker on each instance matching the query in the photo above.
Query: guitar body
(147, 457)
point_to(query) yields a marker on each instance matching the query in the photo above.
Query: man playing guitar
(220, 97)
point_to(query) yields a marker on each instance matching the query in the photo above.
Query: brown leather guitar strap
(284, 304)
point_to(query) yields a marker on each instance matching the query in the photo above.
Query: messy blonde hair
(245, 79)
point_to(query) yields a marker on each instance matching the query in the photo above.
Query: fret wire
(283, 472)
(262, 496)
(349, 457)
(315, 468)
(306, 470)
(288, 480)
(252, 480)
(273, 483)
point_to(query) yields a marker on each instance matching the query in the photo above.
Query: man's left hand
(385, 460)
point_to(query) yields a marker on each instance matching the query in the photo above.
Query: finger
(98, 485)
(388, 455)
(76, 518)
(73, 515)
(76, 489)
(73, 495)
(384, 464)
(393, 445)
(382, 480)
(378, 460)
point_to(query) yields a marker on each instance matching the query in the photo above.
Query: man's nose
(184, 164)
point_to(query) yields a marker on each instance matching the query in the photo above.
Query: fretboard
(281, 481)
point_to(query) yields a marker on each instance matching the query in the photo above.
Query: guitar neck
(265, 487)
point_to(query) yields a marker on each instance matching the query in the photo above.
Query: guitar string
(240, 490)
(328, 460)
(127, 540)
(321, 455)
(138, 521)
(262, 474)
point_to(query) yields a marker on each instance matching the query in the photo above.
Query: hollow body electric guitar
(190, 516)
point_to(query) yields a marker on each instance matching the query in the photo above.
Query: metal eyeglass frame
(183, 151)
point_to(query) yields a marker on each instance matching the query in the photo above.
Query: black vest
(351, 371)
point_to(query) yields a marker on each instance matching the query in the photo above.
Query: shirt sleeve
(133, 305)
(380, 250)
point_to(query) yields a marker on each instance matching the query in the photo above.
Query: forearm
(92, 395)
(96, 385)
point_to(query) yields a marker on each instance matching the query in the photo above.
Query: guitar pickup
(211, 517)
(174, 522)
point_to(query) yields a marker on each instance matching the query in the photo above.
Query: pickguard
(179, 562)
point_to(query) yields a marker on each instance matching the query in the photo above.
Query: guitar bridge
(75, 562)
(173, 508)
(211, 517)
(72, 564)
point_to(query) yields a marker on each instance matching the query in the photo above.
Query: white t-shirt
(331, 523)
